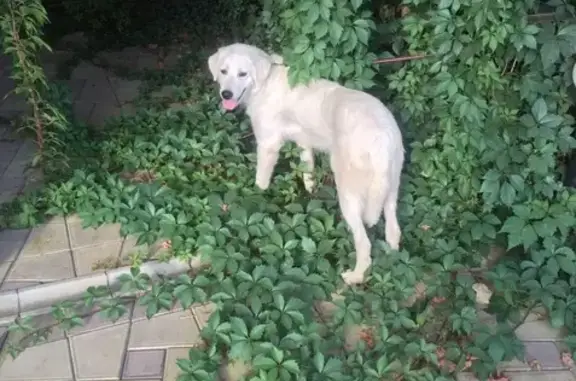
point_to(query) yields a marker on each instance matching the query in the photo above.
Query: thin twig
(400, 59)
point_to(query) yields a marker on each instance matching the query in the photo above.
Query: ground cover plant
(486, 109)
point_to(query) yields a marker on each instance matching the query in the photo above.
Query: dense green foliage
(488, 114)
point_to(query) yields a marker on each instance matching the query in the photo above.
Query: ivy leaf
(550, 53)
(336, 31)
(309, 245)
(496, 351)
(263, 362)
(356, 4)
(539, 109)
(507, 194)
(569, 31)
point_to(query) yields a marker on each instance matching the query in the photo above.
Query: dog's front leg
(307, 158)
(267, 156)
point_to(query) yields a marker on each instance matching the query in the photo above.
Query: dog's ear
(262, 66)
(214, 63)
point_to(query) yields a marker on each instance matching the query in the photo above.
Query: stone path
(133, 348)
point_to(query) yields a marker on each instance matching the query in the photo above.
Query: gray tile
(96, 258)
(22, 160)
(139, 312)
(97, 321)
(125, 90)
(144, 364)
(103, 112)
(538, 330)
(88, 71)
(14, 235)
(80, 237)
(97, 91)
(545, 353)
(4, 267)
(48, 361)
(8, 151)
(47, 238)
(170, 330)
(9, 285)
(83, 110)
(10, 187)
(171, 368)
(542, 376)
(202, 313)
(47, 267)
(99, 354)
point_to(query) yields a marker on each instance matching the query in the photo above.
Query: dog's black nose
(226, 94)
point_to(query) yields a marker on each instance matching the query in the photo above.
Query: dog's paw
(352, 278)
(309, 183)
(262, 184)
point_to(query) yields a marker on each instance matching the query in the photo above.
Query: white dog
(355, 128)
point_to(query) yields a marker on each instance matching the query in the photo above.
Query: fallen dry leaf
(535, 365)
(567, 360)
(483, 293)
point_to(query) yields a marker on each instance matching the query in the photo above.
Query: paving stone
(6, 85)
(8, 150)
(538, 330)
(88, 71)
(144, 364)
(13, 105)
(104, 111)
(202, 313)
(147, 60)
(540, 376)
(97, 91)
(83, 110)
(22, 160)
(127, 57)
(4, 267)
(80, 237)
(10, 285)
(10, 187)
(545, 353)
(47, 238)
(99, 354)
(48, 361)
(94, 320)
(45, 267)
(125, 90)
(95, 258)
(170, 330)
(11, 242)
(139, 311)
(75, 86)
(171, 369)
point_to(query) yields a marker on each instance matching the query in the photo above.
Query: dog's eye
(242, 74)
(224, 71)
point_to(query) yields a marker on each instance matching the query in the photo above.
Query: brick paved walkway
(132, 348)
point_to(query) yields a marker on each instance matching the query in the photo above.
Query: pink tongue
(229, 104)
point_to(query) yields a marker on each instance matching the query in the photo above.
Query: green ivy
(488, 113)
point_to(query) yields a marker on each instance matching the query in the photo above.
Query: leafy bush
(487, 111)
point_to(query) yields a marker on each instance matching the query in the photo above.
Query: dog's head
(240, 70)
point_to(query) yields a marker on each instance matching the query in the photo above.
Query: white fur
(354, 128)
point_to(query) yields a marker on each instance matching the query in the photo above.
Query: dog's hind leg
(307, 158)
(349, 188)
(393, 232)
(351, 206)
